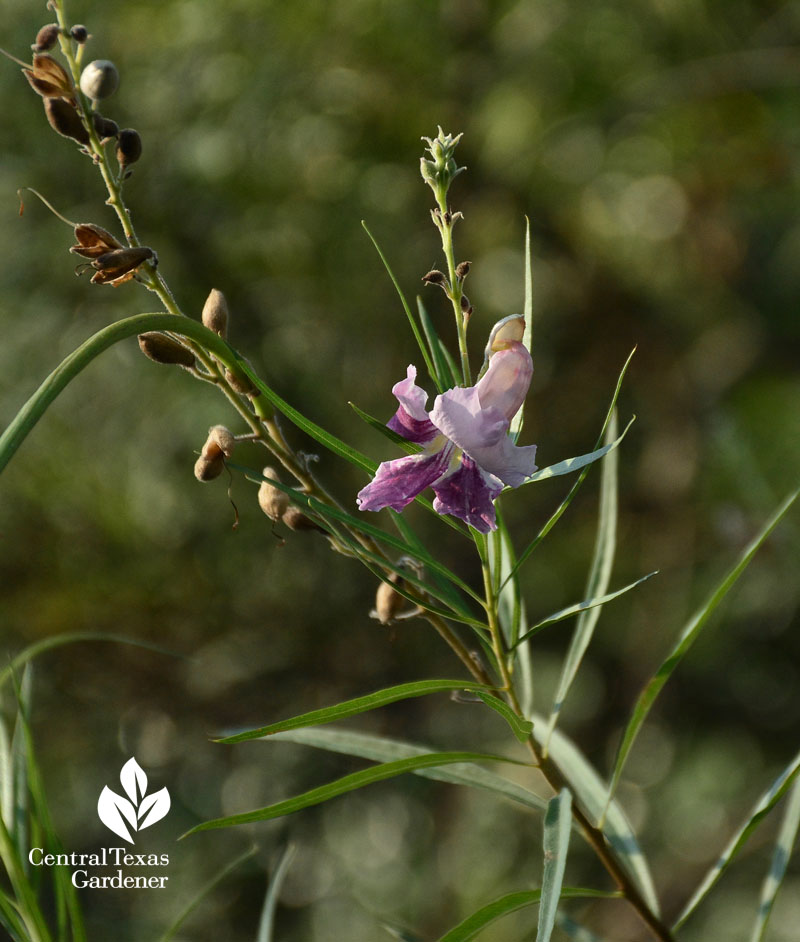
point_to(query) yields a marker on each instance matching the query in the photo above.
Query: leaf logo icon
(139, 810)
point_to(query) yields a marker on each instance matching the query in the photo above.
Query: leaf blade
(557, 831)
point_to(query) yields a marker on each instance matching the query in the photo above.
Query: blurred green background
(654, 148)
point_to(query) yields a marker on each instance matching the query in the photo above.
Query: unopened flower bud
(105, 127)
(272, 500)
(462, 270)
(46, 38)
(388, 601)
(436, 277)
(215, 313)
(99, 79)
(64, 119)
(163, 349)
(129, 147)
(79, 33)
(440, 172)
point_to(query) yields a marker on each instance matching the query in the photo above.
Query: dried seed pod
(120, 265)
(218, 447)
(206, 469)
(466, 307)
(79, 33)
(240, 384)
(295, 519)
(93, 241)
(272, 500)
(99, 79)
(129, 147)
(215, 313)
(388, 601)
(46, 38)
(48, 79)
(436, 277)
(105, 127)
(64, 119)
(462, 270)
(163, 349)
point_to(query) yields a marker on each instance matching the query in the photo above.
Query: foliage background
(654, 147)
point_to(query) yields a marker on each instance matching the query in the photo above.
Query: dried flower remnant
(79, 33)
(99, 79)
(120, 265)
(105, 127)
(65, 120)
(163, 349)
(48, 79)
(218, 447)
(129, 148)
(388, 601)
(469, 455)
(272, 500)
(46, 38)
(295, 519)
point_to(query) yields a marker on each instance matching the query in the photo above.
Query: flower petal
(505, 383)
(397, 483)
(468, 493)
(411, 419)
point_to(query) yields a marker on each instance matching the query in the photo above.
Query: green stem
(444, 223)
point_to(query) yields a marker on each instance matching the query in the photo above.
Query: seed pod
(46, 38)
(129, 147)
(388, 601)
(48, 79)
(64, 119)
(99, 79)
(466, 307)
(120, 265)
(240, 384)
(215, 313)
(105, 127)
(93, 241)
(79, 33)
(295, 519)
(436, 277)
(462, 270)
(206, 469)
(218, 447)
(163, 349)
(272, 500)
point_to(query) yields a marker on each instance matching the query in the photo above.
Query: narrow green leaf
(349, 783)
(557, 830)
(590, 792)
(780, 860)
(372, 701)
(383, 749)
(579, 607)
(761, 809)
(527, 338)
(687, 638)
(479, 920)
(192, 905)
(519, 727)
(558, 513)
(409, 447)
(599, 577)
(267, 921)
(10, 919)
(414, 328)
(575, 464)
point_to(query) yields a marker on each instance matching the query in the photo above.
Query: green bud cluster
(440, 171)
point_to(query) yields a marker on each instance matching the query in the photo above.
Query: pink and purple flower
(469, 455)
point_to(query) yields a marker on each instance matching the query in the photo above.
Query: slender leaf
(479, 920)
(580, 607)
(557, 829)
(558, 513)
(575, 464)
(590, 792)
(414, 328)
(409, 447)
(10, 919)
(192, 905)
(444, 378)
(688, 636)
(516, 423)
(266, 923)
(349, 783)
(358, 705)
(780, 860)
(599, 577)
(384, 749)
(761, 809)
(519, 727)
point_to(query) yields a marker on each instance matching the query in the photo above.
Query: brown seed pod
(48, 79)
(215, 313)
(105, 127)
(46, 38)
(120, 265)
(295, 519)
(240, 384)
(218, 447)
(93, 241)
(272, 500)
(163, 349)
(79, 33)
(129, 147)
(99, 79)
(462, 270)
(65, 120)
(436, 277)
(388, 601)
(206, 469)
